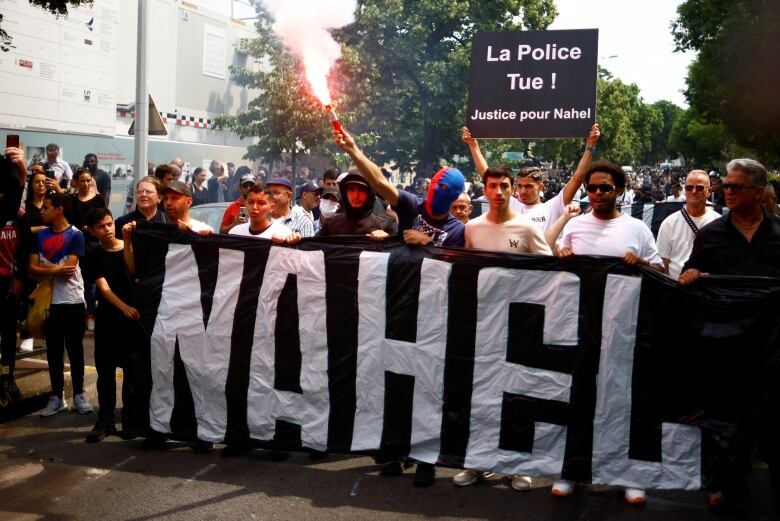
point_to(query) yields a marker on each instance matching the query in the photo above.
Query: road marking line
(99, 473)
(200, 472)
(354, 490)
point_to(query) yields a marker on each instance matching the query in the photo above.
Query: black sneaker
(154, 440)
(425, 475)
(392, 468)
(316, 455)
(233, 450)
(202, 447)
(279, 455)
(104, 427)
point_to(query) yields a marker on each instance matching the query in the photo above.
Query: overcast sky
(635, 42)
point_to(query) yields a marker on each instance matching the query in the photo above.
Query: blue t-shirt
(54, 248)
(413, 216)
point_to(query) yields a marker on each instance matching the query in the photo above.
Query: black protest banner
(586, 369)
(533, 84)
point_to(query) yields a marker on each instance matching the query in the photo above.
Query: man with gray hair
(745, 241)
(675, 237)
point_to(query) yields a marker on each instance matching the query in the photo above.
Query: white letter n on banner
(423, 360)
(205, 352)
(553, 297)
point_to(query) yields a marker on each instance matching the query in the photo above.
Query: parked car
(210, 213)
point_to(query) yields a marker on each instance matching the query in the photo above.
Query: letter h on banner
(303, 403)
(180, 318)
(505, 391)
(422, 360)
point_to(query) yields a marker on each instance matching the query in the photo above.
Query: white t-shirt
(588, 235)
(276, 228)
(542, 214)
(517, 235)
(198, 226)
(673, 199)
(675, 238)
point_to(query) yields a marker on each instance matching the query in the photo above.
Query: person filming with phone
(236, 213)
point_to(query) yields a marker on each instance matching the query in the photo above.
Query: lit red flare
(334, 118)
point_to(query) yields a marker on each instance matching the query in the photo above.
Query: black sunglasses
(603, 187)
(694, 188)
(735, 187)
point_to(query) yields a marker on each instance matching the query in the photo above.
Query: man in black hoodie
(357, 217)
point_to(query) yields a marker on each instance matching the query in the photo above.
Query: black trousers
(65, 330)
(115, 339)
(9, 315)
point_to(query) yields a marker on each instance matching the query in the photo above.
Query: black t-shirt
(110, 265)
(103, 182)
(79, 209)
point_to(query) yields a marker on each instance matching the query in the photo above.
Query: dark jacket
(356, 221)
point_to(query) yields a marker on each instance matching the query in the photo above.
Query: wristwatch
(591, 148)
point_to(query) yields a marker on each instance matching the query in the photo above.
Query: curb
(36, 389)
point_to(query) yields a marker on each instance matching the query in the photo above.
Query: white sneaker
(635, 496)
(90, 324)
(562, 488)
(81, 404)
(26, 346)
(521, 483)
(54, 406)
(469, 477)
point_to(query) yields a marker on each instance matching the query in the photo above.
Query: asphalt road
(47, 471)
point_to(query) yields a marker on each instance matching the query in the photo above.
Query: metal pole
(141, 97)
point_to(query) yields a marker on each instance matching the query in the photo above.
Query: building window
(214, 52)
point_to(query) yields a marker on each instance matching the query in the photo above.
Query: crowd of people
(66, 234)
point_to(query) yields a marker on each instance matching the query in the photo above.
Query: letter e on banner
(506, 391)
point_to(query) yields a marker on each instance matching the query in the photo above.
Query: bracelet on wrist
(590, 148)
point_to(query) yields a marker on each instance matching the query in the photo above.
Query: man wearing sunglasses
(675, 237)
(607, 231)
(745, 241)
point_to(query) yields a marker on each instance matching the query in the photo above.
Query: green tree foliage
(700, 142)
(735, 77)
(660, 148)
(57, 7)
(633, 131)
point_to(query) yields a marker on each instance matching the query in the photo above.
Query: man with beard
(357, 217)
(607, 231)
(102, 179)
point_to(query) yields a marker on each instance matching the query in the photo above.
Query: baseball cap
(247, 178)
(341, 177)
(330, 191)
(178, 187)
(354, 178)
(309, 187)
(280, 181)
